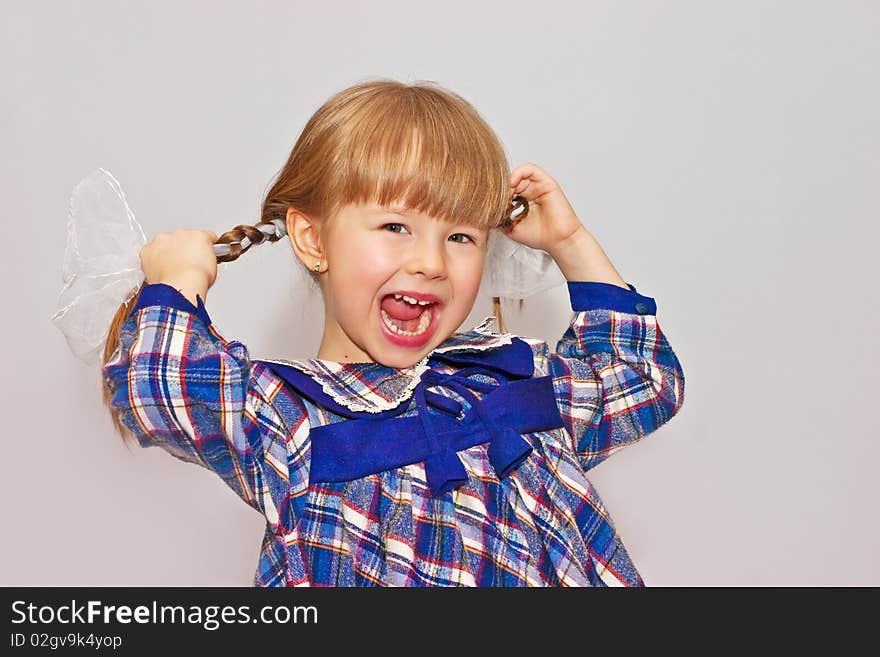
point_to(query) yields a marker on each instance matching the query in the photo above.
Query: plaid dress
(466, 469)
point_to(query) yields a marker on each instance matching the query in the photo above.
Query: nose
(426, 258)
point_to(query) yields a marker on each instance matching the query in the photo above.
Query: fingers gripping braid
(233, 243)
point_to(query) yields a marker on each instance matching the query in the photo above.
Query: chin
(403, 361)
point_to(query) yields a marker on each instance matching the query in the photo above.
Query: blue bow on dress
(513, 404)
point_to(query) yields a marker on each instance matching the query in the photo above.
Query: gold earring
(317, 265)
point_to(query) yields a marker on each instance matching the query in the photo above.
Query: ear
(305, 237)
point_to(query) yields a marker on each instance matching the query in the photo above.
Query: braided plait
(240, 239)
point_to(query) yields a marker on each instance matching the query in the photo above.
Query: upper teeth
(411, 300)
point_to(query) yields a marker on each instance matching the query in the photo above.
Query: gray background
(724, 154)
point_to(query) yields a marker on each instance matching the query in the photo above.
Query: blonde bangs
(419, 146)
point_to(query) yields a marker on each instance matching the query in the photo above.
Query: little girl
(405, 453)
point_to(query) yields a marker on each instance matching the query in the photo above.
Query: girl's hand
(551, 219)
(183, 259)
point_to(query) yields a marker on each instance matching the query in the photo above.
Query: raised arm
(615, 375)
(177, 383)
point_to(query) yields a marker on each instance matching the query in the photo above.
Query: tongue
(400, 309)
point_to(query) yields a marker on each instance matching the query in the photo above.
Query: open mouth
(407, 321)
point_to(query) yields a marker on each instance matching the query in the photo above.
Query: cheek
(377, 257)
(469, 276)
(373, 266)
(365, 265)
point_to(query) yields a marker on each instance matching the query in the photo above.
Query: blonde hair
(380, 140)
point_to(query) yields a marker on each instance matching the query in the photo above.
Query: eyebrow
(404, 211)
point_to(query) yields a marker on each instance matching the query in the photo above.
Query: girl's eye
(392, 228)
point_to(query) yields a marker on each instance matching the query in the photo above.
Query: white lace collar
(373, 387)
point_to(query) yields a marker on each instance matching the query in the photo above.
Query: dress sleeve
(615, 375)
(178, 384)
